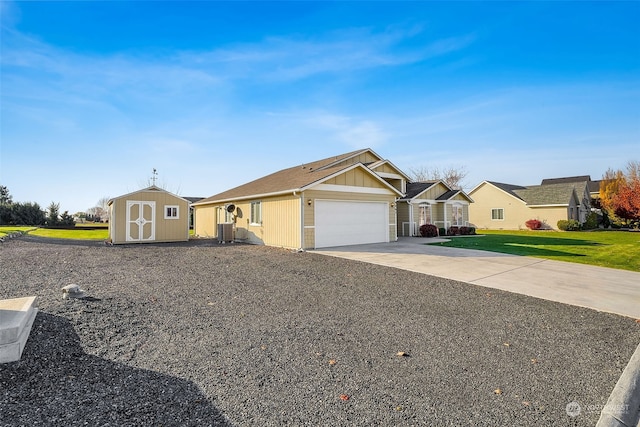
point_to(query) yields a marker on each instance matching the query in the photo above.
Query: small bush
(442, 231)
(467, 231)
(591, 222)
(453, 231)
(533, 224)
(568, 225)
(428, 230)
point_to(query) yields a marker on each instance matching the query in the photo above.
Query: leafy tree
(453, 176)
(620, 193)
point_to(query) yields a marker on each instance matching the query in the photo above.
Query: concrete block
(16, 319)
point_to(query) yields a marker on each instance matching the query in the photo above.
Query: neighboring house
(342, 200)
(147, 216)
(505, 206)
(431, 202)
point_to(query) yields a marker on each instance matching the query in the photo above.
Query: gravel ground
(207, 334)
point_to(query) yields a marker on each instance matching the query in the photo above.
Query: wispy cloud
(352, 131)
(297, 57)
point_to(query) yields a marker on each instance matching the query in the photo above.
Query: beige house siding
(487, 197)
(403, 218)
(205, 221)
(280, 221)
(166, 230)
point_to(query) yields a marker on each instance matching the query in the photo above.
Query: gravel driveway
(206, 334)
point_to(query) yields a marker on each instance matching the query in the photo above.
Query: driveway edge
(623, 406)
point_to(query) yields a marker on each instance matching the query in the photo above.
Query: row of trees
(620, 194)
(30, 213)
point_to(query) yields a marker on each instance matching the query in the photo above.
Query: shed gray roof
(549, 194)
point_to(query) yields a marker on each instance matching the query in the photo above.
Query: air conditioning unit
(225, 232)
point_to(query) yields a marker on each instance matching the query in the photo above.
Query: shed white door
(141, 226)
(341, 223)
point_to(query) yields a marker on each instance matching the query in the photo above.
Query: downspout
(410, 218)
(301, 219)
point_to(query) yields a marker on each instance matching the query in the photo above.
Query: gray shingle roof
(508, 188)
(415, 188)
(553, 192)
(566, 179)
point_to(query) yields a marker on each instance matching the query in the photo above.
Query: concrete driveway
(599, 288)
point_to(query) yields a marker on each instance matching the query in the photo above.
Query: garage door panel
(340, 223)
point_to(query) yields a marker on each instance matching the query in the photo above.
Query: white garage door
(340, 223)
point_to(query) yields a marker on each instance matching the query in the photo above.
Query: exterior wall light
(309, 202)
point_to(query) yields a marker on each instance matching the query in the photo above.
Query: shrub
(467, 231)
(453, 231)
(533, 224)
(442, 231)
(591, 222)
(568, 225)
(428, 230)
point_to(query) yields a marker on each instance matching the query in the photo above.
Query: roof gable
(298, 178)
(149, 189)
(414, 189)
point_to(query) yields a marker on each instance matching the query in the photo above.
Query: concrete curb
(623, 407)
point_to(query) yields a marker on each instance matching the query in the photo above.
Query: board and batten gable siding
(488, 197)
(363, 158)
(166, 230)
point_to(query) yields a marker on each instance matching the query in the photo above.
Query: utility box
(225, 232)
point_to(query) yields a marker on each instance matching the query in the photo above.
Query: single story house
(149, 215)
(500, 206)
(342, 200)
(431, 202)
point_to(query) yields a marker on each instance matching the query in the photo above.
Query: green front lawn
(77, 233)
(614, 249)
(4, 230)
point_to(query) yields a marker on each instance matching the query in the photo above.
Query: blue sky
(95, 95)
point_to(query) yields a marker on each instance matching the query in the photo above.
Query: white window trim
(177, 208)
(259, 203)
(497, 219)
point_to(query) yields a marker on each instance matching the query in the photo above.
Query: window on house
(497, 214)
(457, 214)
(425, 214)
(171, 212)
(256, 213)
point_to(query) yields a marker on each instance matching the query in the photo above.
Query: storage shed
(149, 215)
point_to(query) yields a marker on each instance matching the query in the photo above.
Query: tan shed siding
(166, 230)
(206, 223)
